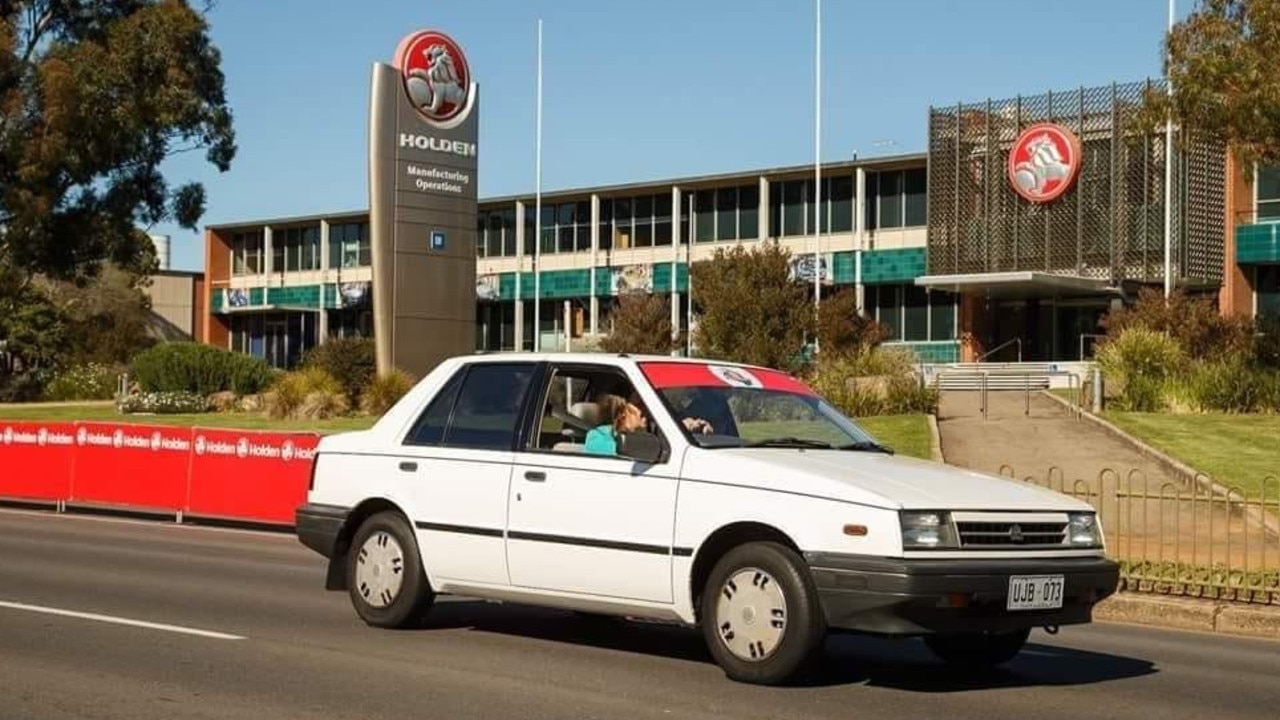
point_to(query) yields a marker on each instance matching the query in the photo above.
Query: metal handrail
(1000, 347)
(1095, 336)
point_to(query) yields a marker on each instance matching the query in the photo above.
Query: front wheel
(977, 650)
(384, 573)
(760, 614)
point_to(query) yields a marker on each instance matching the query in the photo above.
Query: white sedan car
(743, 504)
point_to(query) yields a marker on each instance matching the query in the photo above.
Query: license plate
(1035, 592)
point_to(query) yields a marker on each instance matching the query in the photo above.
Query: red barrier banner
(143, 466)
(35, 460)
(256, 476)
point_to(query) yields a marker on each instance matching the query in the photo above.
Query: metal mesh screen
(1110, 226)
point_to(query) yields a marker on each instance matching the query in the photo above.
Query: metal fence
(1194, 537)
(1109, 227)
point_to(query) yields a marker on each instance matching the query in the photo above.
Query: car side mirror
(642, 447)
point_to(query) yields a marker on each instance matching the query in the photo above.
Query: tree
(641, 326)
(108, 318)
(1222, 62)
(1193, 323)
(95, 95)
(842, 329)
(751, 310)
(32, 334)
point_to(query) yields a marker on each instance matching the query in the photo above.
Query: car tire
(760, 614)
(385, 579)
(977, 651)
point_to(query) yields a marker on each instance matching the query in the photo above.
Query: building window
(662, 220)
(1268, 207)
(493, 238)
(246, 253)
(622, 230)
(840, 203)
(566, 222)
(1267, 287)
(749, 212)
(349, 246)
(913, 314)
(529, 232)
(482, 224)
(509, 232)
(295, 249)
(792, 197)
(606, 224)
(727, 214)
(704, 204)
(644, 221)
(897, 198)
(582, 212)
(548, 229)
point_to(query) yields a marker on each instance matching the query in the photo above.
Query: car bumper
(318, 526)
(918, 597)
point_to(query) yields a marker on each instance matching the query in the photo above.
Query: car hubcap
(380, 569)
(751, 614)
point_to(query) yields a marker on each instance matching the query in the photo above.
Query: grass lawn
(906, 434)
(1236, 450)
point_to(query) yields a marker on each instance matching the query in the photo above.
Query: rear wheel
(977, 650)
(386, 582)
(760, 614)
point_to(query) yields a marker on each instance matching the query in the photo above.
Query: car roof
(616, 359)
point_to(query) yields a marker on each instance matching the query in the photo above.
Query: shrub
(294, 392)
(351, 361)
(1230, 385)
(164, 403)
(199, 369)
(91, 381)
(1141, 361)
(641, 325)
(878, 382)
(1194, 323)
(385, 390)
(1266, 348)
(842, 330)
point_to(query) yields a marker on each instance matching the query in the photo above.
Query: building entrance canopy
(1019, 284)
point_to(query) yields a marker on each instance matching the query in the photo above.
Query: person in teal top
(624, 417)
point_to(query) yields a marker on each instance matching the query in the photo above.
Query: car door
(455, 465)
(588, 524)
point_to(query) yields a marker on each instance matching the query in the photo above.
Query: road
(270, 643)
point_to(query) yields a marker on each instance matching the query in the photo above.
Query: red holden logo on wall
(1044, 162)
(436, 77)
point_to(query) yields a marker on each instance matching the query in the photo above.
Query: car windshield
(723, 417)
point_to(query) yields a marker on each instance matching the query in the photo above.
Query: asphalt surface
(302, 653)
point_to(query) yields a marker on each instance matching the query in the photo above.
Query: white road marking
(160, 521)
(120, 621)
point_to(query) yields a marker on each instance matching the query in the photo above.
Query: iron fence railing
(1192, 537)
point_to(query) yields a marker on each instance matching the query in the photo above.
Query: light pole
(537, 212)
(817, 170)
(1168, 174)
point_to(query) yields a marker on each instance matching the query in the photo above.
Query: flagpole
(537, 216)
(817, 169)
(1168, 173)
(688, 320)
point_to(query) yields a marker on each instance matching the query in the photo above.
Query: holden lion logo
(436, 77)
(1044, 162)
(200, 445)
(736, 377)
(8, 436)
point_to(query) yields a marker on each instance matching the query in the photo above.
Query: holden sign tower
(423, 127)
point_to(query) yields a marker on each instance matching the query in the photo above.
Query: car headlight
(927, 531)
(1083, 530)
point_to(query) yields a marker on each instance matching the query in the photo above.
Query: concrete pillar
(859, 236)
(594, 312)
(322, 327)
(268, 261)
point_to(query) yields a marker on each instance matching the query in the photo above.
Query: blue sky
(638, 90)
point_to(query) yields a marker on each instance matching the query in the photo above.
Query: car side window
(486, 415)
(430, 426)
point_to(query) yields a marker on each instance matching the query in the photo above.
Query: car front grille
(1005, 534)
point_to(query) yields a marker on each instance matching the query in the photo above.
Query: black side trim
(558, 539)
(591, 542)
(459, 529)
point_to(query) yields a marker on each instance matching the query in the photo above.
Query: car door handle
(534, 476)
(409, 466)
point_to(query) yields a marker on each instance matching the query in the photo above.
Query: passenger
(624, 418)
